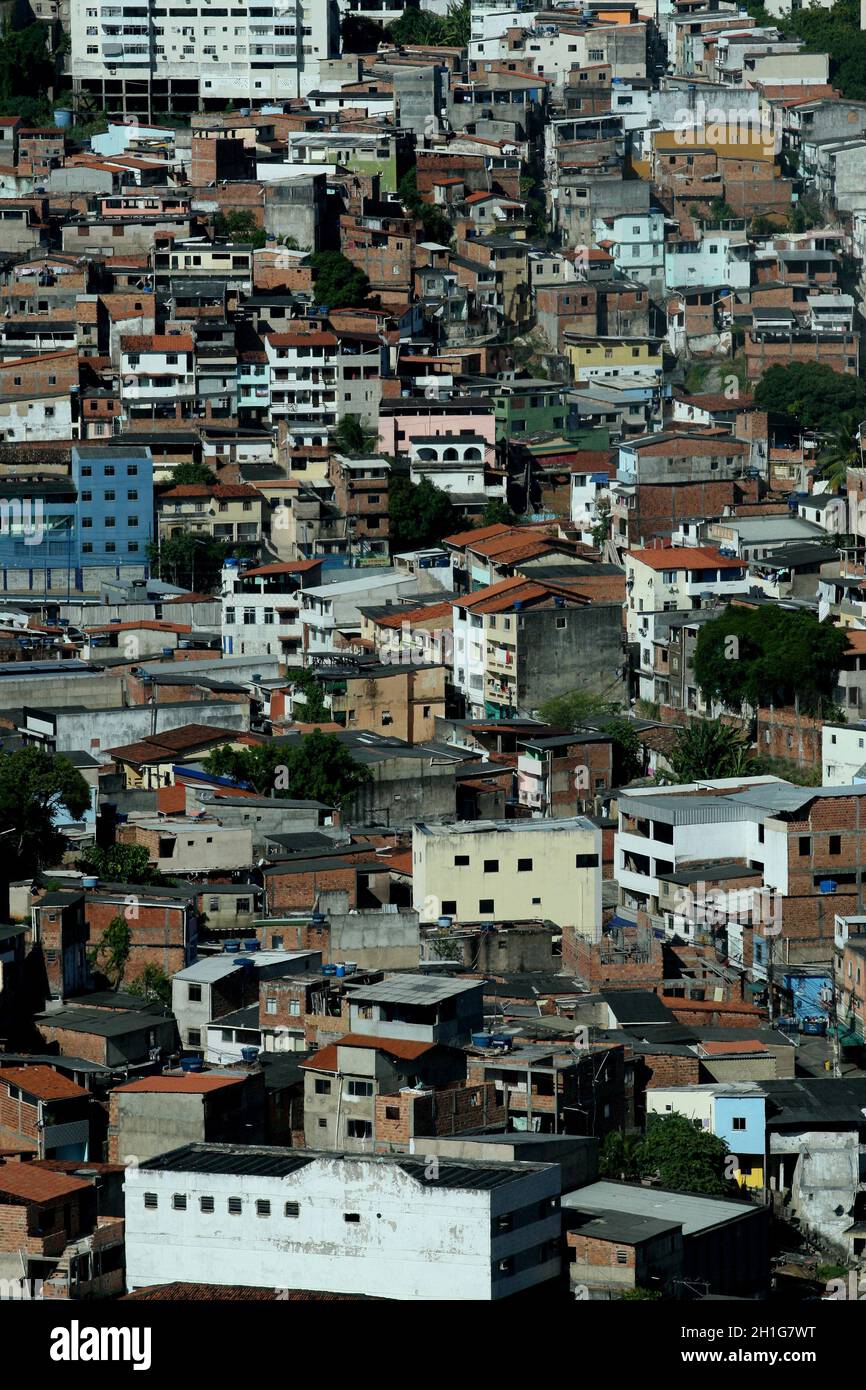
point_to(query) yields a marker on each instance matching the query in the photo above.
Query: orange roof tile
(43, 1082)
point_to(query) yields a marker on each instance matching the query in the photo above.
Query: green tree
(338, 283)
(240, 226)
(192, 560)
(840, 450)
(111, 953)
(641, 1294)
(417, 26)
(26, 71)
(314, 708)
(769, 656)
(708, 748)
(618, 1156)
(192, 475)
(34, 786)
(435, 223)
(498, 513)
(361, 35)
(810, 393)
(152, 985)
(581, 710)
(120, 864)
(576, 709)
(677, 1155)
(315, 767)
(421, 514)
(349, 437)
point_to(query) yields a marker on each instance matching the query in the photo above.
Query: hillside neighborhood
(433, 637)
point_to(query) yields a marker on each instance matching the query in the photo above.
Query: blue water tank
(827, 885)
(190, 1064)
(481, 1039)
(62, 117)
(340, 970)
(251, 945)
(249, 1054)
(329, 969)
(229, 947)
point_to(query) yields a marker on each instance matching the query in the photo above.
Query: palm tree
(840, 451)
(707, 748)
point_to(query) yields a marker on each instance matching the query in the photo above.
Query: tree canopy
(121, 864)
(672, 1153)
(26, 72)
(835, 31)
(769, 656)
(709, 748)
(417, 26)
(317, 767)
(810, 393)
(580, 709)
(110, 955)
(192, 560)
(338, 283)
(239, 225)
(34, 785)
(435, 223)
(421, 514)
(192, 475)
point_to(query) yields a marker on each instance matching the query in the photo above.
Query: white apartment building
(843, 754)
(261, 608)
(662, 829)
(150, 57)
(157, 370)
(509, 871)
(330, 613)
(678, 579)
(637, 243)
(392, 1226)
(322, 377)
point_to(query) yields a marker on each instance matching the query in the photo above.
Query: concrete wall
(414, 1240)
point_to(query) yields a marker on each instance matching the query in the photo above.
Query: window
(461, 861)
(206, 1204)
(805, 846)
(524, 866)
(392, 1112)
(292, 1209)
(322, 1123)
(739, 1122)
(351, 1217)
(194, 1036)
(359, 1088)
(835, 844)
(151, 1201)
(622, 1257)
(323, 1087)
(586, 861)
(194, 993)
(485, 905)
(359, 1129)
(235, 1206)
(263, 1208)
(449, 907)
(178, 1201)
(491, 866)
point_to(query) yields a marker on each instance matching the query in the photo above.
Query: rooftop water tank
(249, 1054)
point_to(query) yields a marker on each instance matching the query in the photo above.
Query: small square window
(235, 1206)
(485, 905)
(263, 1208)
(178, 1201)
(292, 1209)
(206, 1204)
(351, 1217)
(524, 866)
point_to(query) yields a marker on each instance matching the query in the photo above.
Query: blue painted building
(114, 517)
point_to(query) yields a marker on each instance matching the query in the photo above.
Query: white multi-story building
(261, 608)
(323, 376)
(151, 57)
(394, 1226)
(676, 579)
